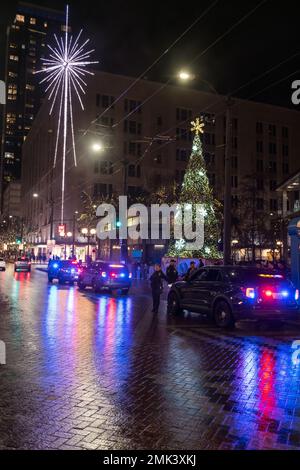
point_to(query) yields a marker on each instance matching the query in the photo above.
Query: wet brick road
(101, 372)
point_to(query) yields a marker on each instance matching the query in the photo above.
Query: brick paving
(101, 372)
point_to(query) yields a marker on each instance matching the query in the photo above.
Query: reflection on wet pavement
(102, 372)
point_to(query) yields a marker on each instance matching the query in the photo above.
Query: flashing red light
(113, 275)
(268, 293)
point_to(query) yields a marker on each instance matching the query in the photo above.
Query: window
(273, 167)
(209, 139)
(285, 132)
(101, 190)
(183, 114)
(105, 101)
(259, 146)
(259, 204)
(132, 105)
(134, 191)
(259, 165)
(272, 148)
(158, 159)
(260, 184)
(273, 205)
(285, 167)
(10, 118)
(20, 18)
(212, 179)
(131, 170)
(234, 181)
(259, 127)
(30, 87)
(132, 127)
(234, 162)
(285, 150)
(32, 20)
(181, 155)
(273, 185)
(45, 24)
(14, 58)
(272, 130)
(159, 121)
(235, 201)
(234, 142)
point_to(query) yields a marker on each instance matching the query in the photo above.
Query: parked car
(230, 293)
(102, 275)
(64, 271)
(2, 265)
(23, 265)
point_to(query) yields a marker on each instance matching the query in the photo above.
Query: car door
(210, 287)
(191, 297)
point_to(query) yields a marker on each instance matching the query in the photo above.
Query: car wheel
(223, 315)
(174, 304)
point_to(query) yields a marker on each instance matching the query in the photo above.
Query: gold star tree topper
(197, 126)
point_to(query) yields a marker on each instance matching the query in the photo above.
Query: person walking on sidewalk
(156, 280)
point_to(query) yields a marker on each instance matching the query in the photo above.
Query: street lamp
(35, 195)
(97, 147)
(185, 76)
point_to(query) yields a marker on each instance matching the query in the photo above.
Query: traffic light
(119, 224)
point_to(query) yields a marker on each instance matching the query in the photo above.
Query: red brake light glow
(268, 293)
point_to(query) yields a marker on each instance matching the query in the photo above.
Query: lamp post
(88, 233)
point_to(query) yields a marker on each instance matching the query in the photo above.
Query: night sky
(129, 35)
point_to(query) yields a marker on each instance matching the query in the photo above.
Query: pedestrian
(157, 286)
(172, 273)
(201, 264)
(190, 271)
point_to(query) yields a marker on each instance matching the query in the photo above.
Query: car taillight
(130, 275)
(268, 293)
(250, 292)
(297, 294)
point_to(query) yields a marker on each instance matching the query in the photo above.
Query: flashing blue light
(55, 266)
(122, 275)
(73, 270)
(285, 293)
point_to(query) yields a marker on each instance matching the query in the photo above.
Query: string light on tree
(65, 71)
(196, 190)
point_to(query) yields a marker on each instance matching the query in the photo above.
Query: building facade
(12, 200)
(146, 143)
(27, 39)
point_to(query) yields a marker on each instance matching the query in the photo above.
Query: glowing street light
(97, 147)
(185, 76)
(84, 231)
(35, 195)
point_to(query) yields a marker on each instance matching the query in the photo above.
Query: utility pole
(227, 189)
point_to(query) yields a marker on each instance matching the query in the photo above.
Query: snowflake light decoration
(65, 70)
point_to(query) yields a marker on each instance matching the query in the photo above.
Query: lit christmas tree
(196, 190)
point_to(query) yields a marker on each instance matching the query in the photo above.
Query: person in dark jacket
(157, 286)
(172, 273)
(201, 264)
(192, 269)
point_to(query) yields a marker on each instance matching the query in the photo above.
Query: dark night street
(101, 372)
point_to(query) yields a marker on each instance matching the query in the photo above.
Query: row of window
(272, 148)
(32, 20)
(272, 130)
(272, 166)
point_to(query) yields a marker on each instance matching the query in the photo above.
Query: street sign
(2, 92)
